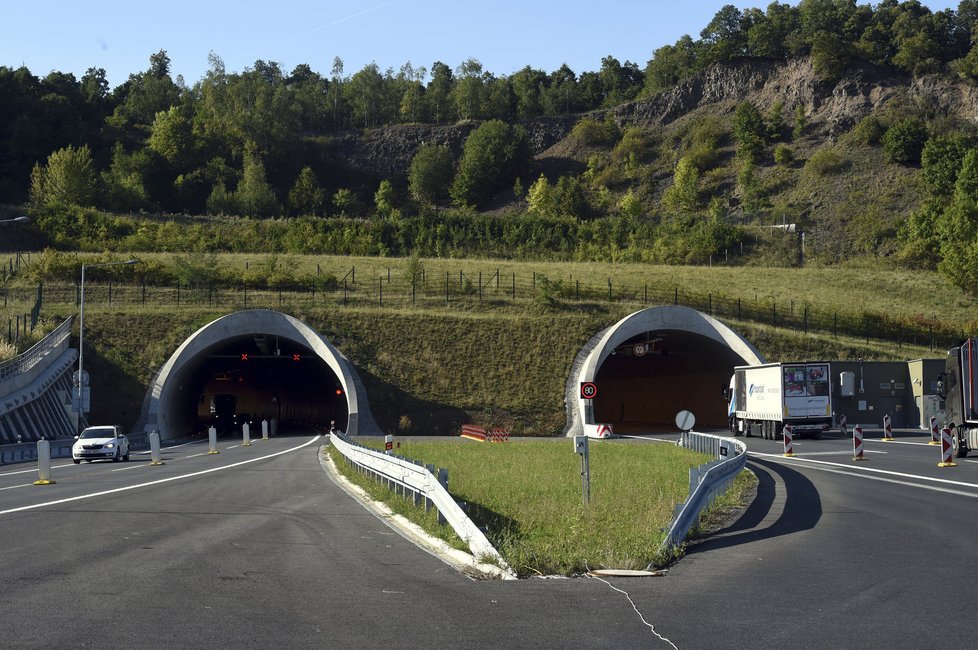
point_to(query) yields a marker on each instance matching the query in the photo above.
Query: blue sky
(504, 35)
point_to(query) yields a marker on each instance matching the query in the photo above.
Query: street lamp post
(81, 381)
(4, 222)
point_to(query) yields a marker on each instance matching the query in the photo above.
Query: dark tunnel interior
(256, 377)
(652, 376)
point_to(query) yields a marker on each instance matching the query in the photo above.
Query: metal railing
(23, 452)
(706, 481)
(402, 475)
(27, 360)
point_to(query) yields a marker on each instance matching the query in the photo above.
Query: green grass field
(527, 494)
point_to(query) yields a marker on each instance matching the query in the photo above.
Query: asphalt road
(271, 553)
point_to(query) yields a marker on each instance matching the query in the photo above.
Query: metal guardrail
(403, 474)
(23, 452)
(705, 481)
(27, 360)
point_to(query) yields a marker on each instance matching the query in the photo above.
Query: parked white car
(100, 442)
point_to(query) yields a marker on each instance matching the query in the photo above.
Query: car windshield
(98, 432)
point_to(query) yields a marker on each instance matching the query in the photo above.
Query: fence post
(480, 286)
(380, 286)
(675, 299)
(446, 287)
(610, 299)
(514, 286)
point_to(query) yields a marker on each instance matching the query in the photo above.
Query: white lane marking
(898, 442)
(14, 487)
(836, 453)
(158, 481)
(233, 447)
(857, 470)
(932, 488)
(196, 455)
(122, 469)
(32, 470)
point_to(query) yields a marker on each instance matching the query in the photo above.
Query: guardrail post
(43, 463)
(443, 480)
(212, 441)
(428, 504)
(156, 457)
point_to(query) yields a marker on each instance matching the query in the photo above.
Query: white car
(100, 442)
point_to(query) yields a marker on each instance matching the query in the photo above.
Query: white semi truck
(957, 387)
(765, 398)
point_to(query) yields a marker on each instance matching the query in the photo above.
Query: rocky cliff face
(831, 109)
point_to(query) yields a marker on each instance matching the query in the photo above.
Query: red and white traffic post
(946, 449)
(935, 437)
(887, 429)
(857, 443)
(788, 451)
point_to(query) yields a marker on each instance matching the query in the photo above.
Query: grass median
(527, 496)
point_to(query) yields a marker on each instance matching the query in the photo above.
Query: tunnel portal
(254, 365)
(652, 364)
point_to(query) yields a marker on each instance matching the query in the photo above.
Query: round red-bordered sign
(589, 390)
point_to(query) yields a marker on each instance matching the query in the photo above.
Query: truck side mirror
(726, 394)
(940, 387)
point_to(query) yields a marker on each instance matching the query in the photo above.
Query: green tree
(68, 178)
(384, 199)
(748, 129)
(470, 90)
(540, 198)
(430, 175)
(670, 64)
(904, 141)
(254, 195)
(941, 159)
(494, 155)
(306, 196)
(684, 194)
(172, 136)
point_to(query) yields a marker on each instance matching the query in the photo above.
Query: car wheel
(126, 457)
(76, 461)
(118, 455)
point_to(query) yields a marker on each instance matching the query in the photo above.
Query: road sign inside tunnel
(589, 390)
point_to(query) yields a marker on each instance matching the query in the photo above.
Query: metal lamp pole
(80, 382)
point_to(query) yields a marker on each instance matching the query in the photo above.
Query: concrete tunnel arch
(165, 405)
(704, 352)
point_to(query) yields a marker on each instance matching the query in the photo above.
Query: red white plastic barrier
(935, 437)
(788, 436)
(857, 443)
(887, 429)
(843, 425)
(473, 432)
(946, 449)
(499, 435)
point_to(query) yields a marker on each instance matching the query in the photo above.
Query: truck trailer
(956, 386)
(764, 399)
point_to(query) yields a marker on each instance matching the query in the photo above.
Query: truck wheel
(960, 450)
(766, 430)
(748, 429)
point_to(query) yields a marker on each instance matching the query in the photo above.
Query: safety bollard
(273, 427)
(246, 434)
(788, 451)
(843, 425)
(946, 449)
(43, 463)
(212, 441)
(264, 429)
(887, 429)
(935, 438)
(857, 443)
(156, 456)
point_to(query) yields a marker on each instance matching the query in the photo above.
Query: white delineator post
(156, 456)
(246, 434)
(212, 441)
(788, 437)
(264, 429)
(935, 437)
(857, 443)
(946, 449)
(43, 463)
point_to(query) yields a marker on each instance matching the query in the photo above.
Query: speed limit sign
(589, 390)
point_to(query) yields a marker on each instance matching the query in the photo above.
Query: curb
(461, 561)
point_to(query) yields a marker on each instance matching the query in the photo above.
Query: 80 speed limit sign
(589, 390)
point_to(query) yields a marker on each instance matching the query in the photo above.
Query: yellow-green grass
(528, 496)
(848, 289)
